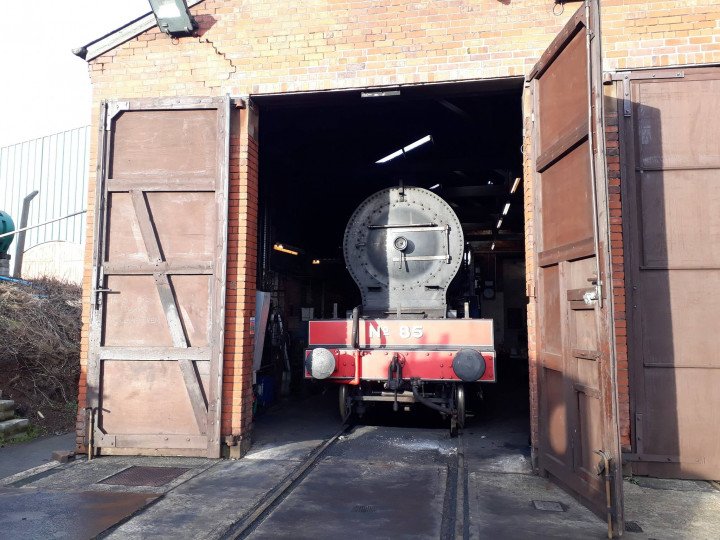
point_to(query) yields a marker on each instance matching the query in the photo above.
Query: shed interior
(318, 158)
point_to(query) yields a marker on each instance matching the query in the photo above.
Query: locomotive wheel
(343, 402)
(460, 404)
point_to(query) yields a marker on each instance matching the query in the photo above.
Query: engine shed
(572, 141)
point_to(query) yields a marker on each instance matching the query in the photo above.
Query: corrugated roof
(109, 41)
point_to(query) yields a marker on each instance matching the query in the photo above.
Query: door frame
(109, 110)
(589, 16)
(626, 82)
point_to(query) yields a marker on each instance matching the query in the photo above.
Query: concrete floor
(18, 457)
(400, 476)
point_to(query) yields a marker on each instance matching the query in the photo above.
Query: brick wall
(273, 46)
(640, 34)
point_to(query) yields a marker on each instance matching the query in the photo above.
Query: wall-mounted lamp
(173, 17)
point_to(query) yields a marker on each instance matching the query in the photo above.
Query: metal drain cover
(144, 476)
(549, 506)
(633, 527)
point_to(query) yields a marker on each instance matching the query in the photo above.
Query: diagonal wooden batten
(146, 227)
(195, 394)
(177, 332)
(170, 308)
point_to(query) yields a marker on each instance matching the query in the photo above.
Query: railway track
(454, 524)
(245, 527)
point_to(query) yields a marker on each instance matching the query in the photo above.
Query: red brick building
(657, 70)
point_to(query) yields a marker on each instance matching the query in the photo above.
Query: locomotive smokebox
(403, 246)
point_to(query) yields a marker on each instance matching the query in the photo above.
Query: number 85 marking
(415, 332)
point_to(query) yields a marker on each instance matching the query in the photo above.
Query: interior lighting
(505, 210)
(434, 187)
(173, 17)
(316, 261)
(515, 185)
(493, 246)
(499, 223)
(390, 156)
(284, 249)
(402, 151)
(376, 94)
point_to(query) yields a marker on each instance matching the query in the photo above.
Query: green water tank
(6, 226)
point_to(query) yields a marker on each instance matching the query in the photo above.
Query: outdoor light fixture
(173, 17)
(402, 151)
(285, 249)
(515, 185)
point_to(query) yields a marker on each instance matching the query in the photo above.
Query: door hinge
(642, 75)
(113, 109)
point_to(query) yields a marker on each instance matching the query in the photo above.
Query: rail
(23, 229)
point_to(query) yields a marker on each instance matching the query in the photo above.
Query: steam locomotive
(403, 246)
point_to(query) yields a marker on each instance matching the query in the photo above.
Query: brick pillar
(612, 149)
(530, 272)
(241, 280)
(81, 429)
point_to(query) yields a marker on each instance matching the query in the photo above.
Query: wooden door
(575, 347)
(671, 208)
(156, 341)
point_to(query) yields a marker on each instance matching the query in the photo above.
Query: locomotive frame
(403, 246)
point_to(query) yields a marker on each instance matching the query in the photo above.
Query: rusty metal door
(671, 177)
(577, 389)
(157, 303)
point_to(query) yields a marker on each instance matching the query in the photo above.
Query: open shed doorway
(318, 161)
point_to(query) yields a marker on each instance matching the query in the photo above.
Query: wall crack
(202, 39)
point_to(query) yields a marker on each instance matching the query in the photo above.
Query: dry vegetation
(40, 350)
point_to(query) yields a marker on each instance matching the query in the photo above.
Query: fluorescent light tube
(411, 146)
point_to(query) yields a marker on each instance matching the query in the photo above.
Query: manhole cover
(363, 508)
(631, 526)
(144, 476)
(549, 506)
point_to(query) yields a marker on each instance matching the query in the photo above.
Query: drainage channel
(244, 527)
(455, 522)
